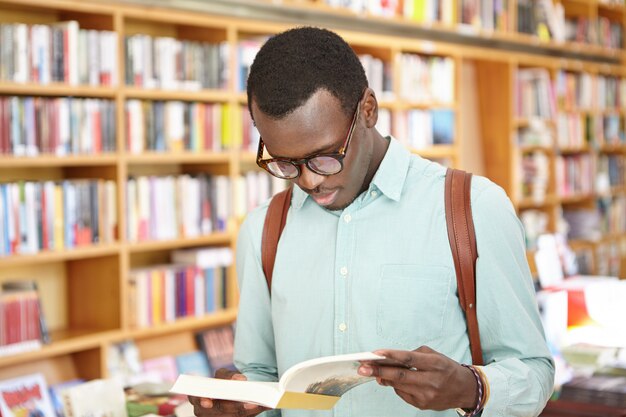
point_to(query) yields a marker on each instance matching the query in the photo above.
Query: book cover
(55, 394)
(165, 366)
(316, 384)
(99, 397)
(443, 126)
(193, 363)
(25, 396)
(217, 344)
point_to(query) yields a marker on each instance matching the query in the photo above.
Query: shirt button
(343, 271)
(347, 218)
(374, 193)
(343, 327)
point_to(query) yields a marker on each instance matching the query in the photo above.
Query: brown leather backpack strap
(275, 219)
(462, 239)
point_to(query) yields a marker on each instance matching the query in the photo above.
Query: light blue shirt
(379, 274)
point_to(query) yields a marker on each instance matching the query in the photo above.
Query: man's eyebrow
(333, 148)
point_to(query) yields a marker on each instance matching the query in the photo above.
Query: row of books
(427, 79)
(583, 223)
(610, 172)
(608, 258)
(612, 215)
(597, 389)
(585, 91)
(196, 284)
(172, 64)
(379, 76)
(536, 133)
(253, 189)
(422, 78)
(246, 51)
(37, 216)
(537, 95)
(30, 126)
(165, 126)
(486, 14)
(213, 351)
(59, 52)
(602, 31)
(136, 386)
(535, 176)
(574, 175)
(541, 18)
(421, 129)
(22, 323)
(534, 94)
(172, 207)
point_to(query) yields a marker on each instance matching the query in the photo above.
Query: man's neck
(381, 144)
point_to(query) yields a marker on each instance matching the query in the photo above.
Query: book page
(263, 393)
(331, 375)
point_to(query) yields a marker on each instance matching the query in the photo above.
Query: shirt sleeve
(519, 367)
(254, 354)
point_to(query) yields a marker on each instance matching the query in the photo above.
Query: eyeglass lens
(325, 165)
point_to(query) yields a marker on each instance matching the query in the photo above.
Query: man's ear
(369, 108)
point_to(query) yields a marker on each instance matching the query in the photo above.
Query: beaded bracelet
(479, 403)
(486, 388)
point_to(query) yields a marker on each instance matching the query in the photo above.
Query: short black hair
(293, 65)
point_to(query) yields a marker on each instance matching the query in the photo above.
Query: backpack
(461, 236)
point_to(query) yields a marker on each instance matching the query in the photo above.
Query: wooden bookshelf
(88, 308)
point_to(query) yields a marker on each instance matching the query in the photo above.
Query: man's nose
(308, 179)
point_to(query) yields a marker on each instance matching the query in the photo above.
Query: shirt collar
(389, 177)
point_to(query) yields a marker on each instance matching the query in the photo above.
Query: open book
(316, 384)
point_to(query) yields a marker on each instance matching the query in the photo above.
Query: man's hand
(424, 378)
(206, 407)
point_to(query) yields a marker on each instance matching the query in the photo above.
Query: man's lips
(324, 199)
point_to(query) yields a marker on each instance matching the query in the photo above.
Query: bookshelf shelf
(59, 161)
(168, 158)
(212, 239)
(528, 203)
(578, 198)
(201, 95)
(574, 150)
(86, 252)
(180, 325)
(63, 343)
(56, 90)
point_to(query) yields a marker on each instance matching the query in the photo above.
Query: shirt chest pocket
(412, 303)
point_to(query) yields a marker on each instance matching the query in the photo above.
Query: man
(364, 262)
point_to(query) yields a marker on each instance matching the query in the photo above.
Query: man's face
(318, 127)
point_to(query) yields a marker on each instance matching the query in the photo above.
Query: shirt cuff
(499, 392)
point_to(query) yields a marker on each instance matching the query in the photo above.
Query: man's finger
(224, 373)
(396, 374)
(422, 358)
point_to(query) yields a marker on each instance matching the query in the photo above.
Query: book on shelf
(151, 398)
(164, 366)
(442, 126)
(98, 397)
(596, 389)
(25, 396)
(55, 391)
(193, 363)
(29, 287)
(315, 384)
(218, 346)
(22, 323)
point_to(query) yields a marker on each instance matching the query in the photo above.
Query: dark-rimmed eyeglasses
(322, 164)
